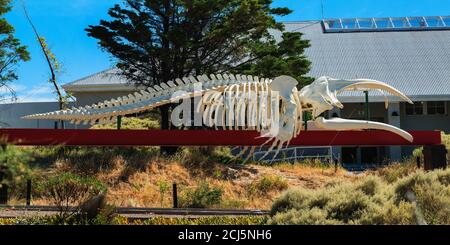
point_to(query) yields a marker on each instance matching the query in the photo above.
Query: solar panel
(386, 24)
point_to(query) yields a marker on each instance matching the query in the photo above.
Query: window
(436, 108)
(414, 109)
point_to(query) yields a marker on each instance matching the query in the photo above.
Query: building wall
(378, 111)
(89, 98)
(10, 115)
(426, 122)
(423, 122)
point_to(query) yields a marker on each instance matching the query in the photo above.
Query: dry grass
(142, 178)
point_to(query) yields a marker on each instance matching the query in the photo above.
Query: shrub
(267, 184)
(430, 192)
(420, 198)
(120, 220)
(68, 189)
(15, 163)
(132, 123)
(314, 216)
(397, 171)
(203, 196)
(217, 220)
(292, 199)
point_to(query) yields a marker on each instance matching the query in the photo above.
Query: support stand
(435, 157)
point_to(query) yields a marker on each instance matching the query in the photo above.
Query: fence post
(3, 187)
(435, 157)
(175, 195)
(28, 192)
(119, 122)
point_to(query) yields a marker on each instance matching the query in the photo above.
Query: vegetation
(120, 220)
(420, 198)
(132, 123)
(203, 196)
(11, 51)
(155, 41)
(207, 177)
(52, 62)
(14, 165)
(268, 184)
(68, 190)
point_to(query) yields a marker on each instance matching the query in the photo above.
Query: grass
(138, 177)
(317, 193)
(120, 220)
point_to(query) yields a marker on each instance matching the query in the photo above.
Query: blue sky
(63, 22)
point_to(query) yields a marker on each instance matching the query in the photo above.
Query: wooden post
(435, 157)
(175, 195)
(119, 122)
(28, 192)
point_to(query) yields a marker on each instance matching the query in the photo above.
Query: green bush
(133, 123)
(15, 163)
(430, 192)
(397, 171)
(267, 184)
(203, 196)
(68, 190)
(420, 198)
(120, 220)
(218, 220)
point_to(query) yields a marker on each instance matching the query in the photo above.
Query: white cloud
(40, 93)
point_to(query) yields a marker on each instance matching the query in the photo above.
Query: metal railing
(291, 154)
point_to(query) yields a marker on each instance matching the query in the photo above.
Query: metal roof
(415, 62)
(422, 23)
(107, 80)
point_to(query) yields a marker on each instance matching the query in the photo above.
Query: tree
(155, 41)
(11, 51)
(53, 64)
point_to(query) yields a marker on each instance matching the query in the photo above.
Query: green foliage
(15, 162)
(132, 123)
(267, 184)
(164, 187)
(203, 196)
(245, 220)
(196, 37)
(68, 190)
(120, 220)
(11, 51)
(429, 192)
(397, 171)
(420, 198)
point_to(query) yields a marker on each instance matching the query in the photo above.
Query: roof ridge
(89, 76)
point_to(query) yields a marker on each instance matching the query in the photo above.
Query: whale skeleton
(274, 107)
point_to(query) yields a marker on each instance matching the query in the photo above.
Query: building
(11, 115)
(411, 54)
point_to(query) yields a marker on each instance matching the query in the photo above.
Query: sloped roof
(107, 80)
(415, 62)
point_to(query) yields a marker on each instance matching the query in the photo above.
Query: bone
(346, 124)
(365, 84)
